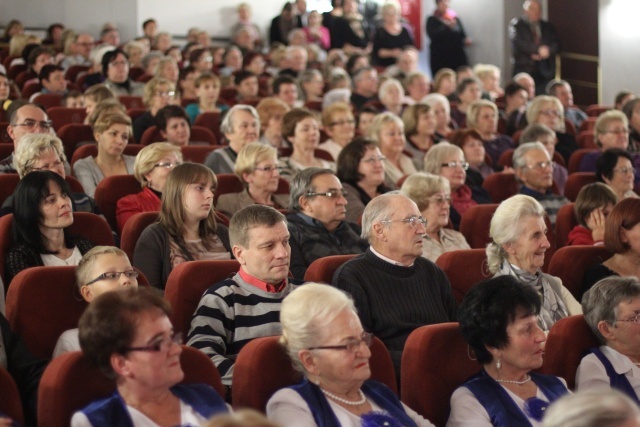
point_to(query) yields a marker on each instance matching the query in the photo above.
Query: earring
(499, 364)
(317, 381)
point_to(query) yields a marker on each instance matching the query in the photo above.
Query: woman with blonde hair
(548, 110)
(420, 131)
(338, 122)
(112, 132)
(489, 76)
(158, 93)
(444, 82)
(387, 130)
(482, 116)
(151, 169)
(518, 245)
(257, 168)
(186, 229)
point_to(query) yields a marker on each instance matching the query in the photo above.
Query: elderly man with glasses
(534, 169)
(317, 220)
(394, 288)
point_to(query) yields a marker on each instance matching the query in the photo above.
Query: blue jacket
(112, 411)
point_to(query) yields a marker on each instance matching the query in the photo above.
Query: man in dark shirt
(365, 87)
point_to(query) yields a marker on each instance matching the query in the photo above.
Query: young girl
(208, 91)
(593, 205)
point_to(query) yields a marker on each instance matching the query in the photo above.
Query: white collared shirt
(591, 374)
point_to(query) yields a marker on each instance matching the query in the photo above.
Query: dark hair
(195, 55)
(489, 307)
(460, 136)
(70, 94)
(47, 70)
(292, 118)
(109, 323)
(170, 111)
(147, 22)
(184, 73)
(629, 107)
(248, 57)
(249, 217)
(349, 160)
(351, 62)
(626, 214)
(35, 52)
(26, 51)
(592, 196)
(241, 76)
(32, 189)
(512, 88)
(607, 162)
(111, 56)
(281, 80)
(53, 27)
(462, 86)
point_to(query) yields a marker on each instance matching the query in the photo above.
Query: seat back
(575, 182)
(10, 404)
(203, 134)
(73, 134)
(587, 139)
(131, 101)
(323, 269)
(71, 382)
(4, 135)
(73, 71)
(571, 262)
(435, 361)
(588, 124)
(87, 150)
(132, 230)
(594, 110)
(568, 341)
(463, 279)
(188, 282)
(211, 121)
(8, 183)
(565, 221)
(263, 367)
(48, 100)
(474, 224)
(500, 186)
(576, 159)
(506, 158)
(61, 116)
(151, 134)
(110, 190)
(197, 153)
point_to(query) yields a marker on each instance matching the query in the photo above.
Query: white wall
(619, 33)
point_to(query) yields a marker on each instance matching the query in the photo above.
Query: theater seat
(568, 341)
(188, 282)
(71, 382)
(61, 116)
(263, 367)
(576, 158)
(110, 190)
(475, 224)
(323, 269)
(74, 134)
(464, 268)
(575, 182)
(435, 361)
(571, 262)
(133, 229)
(10, 404)
(565, 222)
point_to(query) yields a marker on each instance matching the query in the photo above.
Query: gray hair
(31, 147)
(382, 90)
(301, 184)
(377, 210)
(474, 109)
(534, 132)
(552, 87)
(435, 99)
(436, 155)
(307, 313)
(227, 123)
(420, 186)
(506, 226)
(600, 303)
(518, 155)
(146, 60)
(534, 108)
(605, 118)
(591, 408)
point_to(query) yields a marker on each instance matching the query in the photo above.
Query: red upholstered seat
(474, 224)
(87, 150)
(576, 158)
(10, 404)
(61, 116)
(474, 270)
(565, 221)
(133, 229)
(74, 134)
(575, 182)
(110, 190)
(571, 262)
(323, 269)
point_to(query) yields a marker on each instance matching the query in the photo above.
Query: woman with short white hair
(518, 245)
(391, 94)
(442, 110)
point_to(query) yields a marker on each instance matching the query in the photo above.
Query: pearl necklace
(524, 381)
(362, 400)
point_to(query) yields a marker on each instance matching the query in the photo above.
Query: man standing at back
(534, 45)
(394, 288)
(246, 306)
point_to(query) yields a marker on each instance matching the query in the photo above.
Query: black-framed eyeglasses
(635, 319)
(412, 221)
(161, 344)
(114, 275)
(463, 165)
(32, 124)
(167, 165)
(267, 169)
(351, 346)
(332, 194)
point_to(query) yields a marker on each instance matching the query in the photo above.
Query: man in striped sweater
(246, 306)
(394, 288)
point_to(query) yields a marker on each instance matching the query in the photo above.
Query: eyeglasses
(161, 344)
(463, 165)
(119, 63)
(625, 170)
(333, 194)
(374, 159)
(169, 94)
(540, 165)
(31, 125)
(114, 275)
(267, 169)
(617, 131)
(207, 59)
(351, 346)
(550, 113)
(635, 319)
(440, 200)
(48, 166)
(342, 122)
(167, 165)
(412, 221)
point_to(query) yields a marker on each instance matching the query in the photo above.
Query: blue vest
(502, 410)
(378, 392)
(617, 381)
(112, 411)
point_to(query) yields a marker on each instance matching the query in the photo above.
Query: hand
(543, 51)
(396, 52)
(6, 422)
(468, 41)
(596, 223)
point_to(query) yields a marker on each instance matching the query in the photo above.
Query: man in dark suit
(534, 45)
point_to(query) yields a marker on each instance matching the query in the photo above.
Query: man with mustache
(394, 288)
(317, 222)
(246, 306)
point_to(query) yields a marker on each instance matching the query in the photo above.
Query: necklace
(362, 400)
(524, 381)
